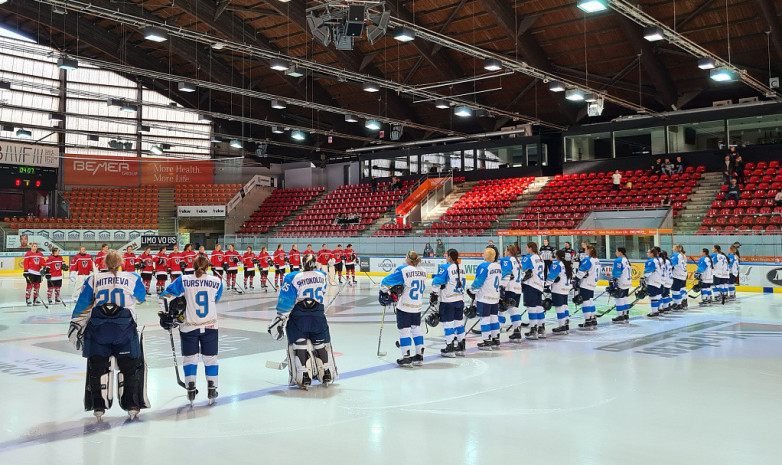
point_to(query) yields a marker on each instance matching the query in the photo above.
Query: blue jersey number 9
(116, 297)
(202, 299)
(417, 288)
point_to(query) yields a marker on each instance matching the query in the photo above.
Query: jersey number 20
(116, 297)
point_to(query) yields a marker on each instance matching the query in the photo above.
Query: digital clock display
(26, 170)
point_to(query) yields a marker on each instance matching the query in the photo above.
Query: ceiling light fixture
(294, 72)
(24, 133)
(278, 104)
(93, 138)
(5, 85)
(298, 135)
(278, 64)
(156, 150)
(441, 104)
(128, 107)
(277, 130)
(590, 97)
(371, 87)
(205, 118)
(372, 125)
(653, 34)
(492, 64)
(574, 95)
(155, 34)
(56, 117)
(68, 64)
(706, 63)
(723, 74)
(592, 6)
(556, 86)
(462, 111)
(142, 128)
(186, 87)
(351, 119)
(236, 144)
(403, 34)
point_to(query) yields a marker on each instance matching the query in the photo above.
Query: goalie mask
(308, 262)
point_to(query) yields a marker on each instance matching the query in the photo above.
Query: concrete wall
(245, 208)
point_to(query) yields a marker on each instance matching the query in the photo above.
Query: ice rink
(701, 387)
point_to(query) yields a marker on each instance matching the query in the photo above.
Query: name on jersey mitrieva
(115, 280)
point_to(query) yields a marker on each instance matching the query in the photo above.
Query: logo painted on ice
(775, 276)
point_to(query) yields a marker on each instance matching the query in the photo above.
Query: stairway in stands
(518, 206)
(698, 204)
(166, 211)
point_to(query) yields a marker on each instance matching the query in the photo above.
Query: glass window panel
(756, 130)
(642, 141)
(691, 137)
(588, 146)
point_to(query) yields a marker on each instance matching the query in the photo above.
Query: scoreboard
(28, 177)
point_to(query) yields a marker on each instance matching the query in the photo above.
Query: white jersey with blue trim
(124, 289)
(413, 278)
(535, 263)
(622, 272)
(667, 275)
(706, 269)
(301, 285)
(511, 272)
(588, 272)
(653, 272)
(557, 278)
(487, 283)
(201, 295)
(721, 267)
(451, 281)
(733, 263)
(679, 263)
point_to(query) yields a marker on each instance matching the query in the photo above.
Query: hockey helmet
(471, 311)
(578, 299)
(308, 262)
(432, 319)
(641, 293)
(547, 302)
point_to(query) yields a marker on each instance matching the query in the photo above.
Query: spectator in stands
(496, 250)
(434, 169)
(666, 201)
(374, 184)
(439, 251)
(778, 198)
(616, 178)
(733, 191)
(667, 167)
(428, 250)
(657, 166)
(727, 170)
(678, 166)
(396, 184)
(738, 169)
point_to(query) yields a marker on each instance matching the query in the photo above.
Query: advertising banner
(94, 170)
(200, 210)
(23, 241)
(164, 172)
(15, 153)
(582, 232)
(88, 235)
(158, 241)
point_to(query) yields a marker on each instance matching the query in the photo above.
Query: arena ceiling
(606, 51)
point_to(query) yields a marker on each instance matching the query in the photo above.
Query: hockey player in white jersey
(485, 291)
(653, 280)
(103, 325)
(721, 273)
(510, 291)
(586, 281)
(198, 331)
(300, 311)
(679, 274)
(558, 281)
(733, 262)
(408, 308)
(667, 281)
(448, 288)
(618, 287)
(532, 290)
(704, 276)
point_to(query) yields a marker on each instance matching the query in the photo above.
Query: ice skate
(485, 345)
(29, 303)
(589, 323)
(50, 301)
(561, 330)
(495, 343)
(516, 336)
(98, 414)
(57, 299)
(418, 359)
(619, 319)
(211, 392)
(460, 347)
(653, 314)
(405, 361)
(542, 332)
(149, 293)
(724, 298)
(132, 413)
(532, 334)
(191, 392)
(305, 381)
(448, 351)
(703, 303)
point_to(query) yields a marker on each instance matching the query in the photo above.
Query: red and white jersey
(147, 263)
(82, 264)
(279, 257)
(202, 254)
(174, 260)
(337, 255)
(99, 257)
(295, 257)
(350, 256)
(188, 257)
(54, 262)
(217, 259)
(247, 261)
(264, 259)
(324, 256)
(161, 262)
(33, 262)
(233, 258)
(129, 262)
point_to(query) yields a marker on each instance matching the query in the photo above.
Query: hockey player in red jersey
(280, 259)
(324, 255)
(175, 262)
(294, 257)
(129, 260)
(147, 266)
(81, 267)
(55, 266)
(338, 255)
(233, 258)
(33, 262)
(248, 262)
(350, 263)
(188, 255)
(161, 270)
(216, 261)
(104, 249)
(264, 263)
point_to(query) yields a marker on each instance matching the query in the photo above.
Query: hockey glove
(576, 283)
(76, 335)
(527, 276)
(279, 324)
(471, 293)
(433, 298)
(386, 299)
(65, 267)
(643, 282)
(167, 322)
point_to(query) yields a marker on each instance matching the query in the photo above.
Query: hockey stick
(370, 278)
(176, 364)
(380, 336)
(334, 299)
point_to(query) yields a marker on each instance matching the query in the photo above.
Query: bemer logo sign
(94, 167)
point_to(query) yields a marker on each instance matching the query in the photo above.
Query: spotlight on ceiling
(441, 104)
(298, 135)
(186, 87)
(372, 125)
(396, 131)
(462, 111)
(294, 72)
(706, 63)
(205, 118)
(354, 21)
(492, 64)
(351, 119)
(278, 104)
(596, 108)
(155, 34)
(371, 87)
(556, 86)
(236, 144)
(592, 6)
(277, 130)
(574, 95)
(68, 64)
(379, 26)
(590, 97)
(278, 64)
(24, 133)
(723, 74)
(156, 149)
(403, 34)
(653, 34)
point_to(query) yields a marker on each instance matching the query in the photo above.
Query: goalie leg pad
(300, 364)
(132, 383)
(99, 390)
(324, 361)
